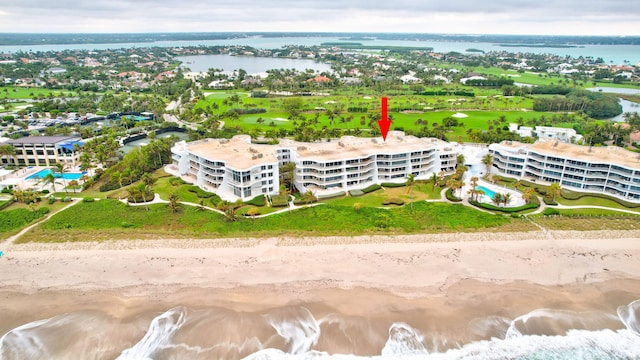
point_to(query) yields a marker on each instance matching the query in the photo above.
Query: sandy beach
(443, 279)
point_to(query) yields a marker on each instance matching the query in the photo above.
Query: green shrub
(547, 200)
(109, 186)
(393, 185)
(256, 201)
(356, 193)
(371, 188)
(550, 211)
(7, 203)
(393, 201)
(176, 181)
(199, 192)
(574, 195)
(528, 206)
(66, 199)
(88, 199)
(279, 200)
(451, 197)
(51, 199)
(45, 191)
(15, 219)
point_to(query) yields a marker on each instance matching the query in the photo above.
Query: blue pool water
(42, 173)
(487, 192)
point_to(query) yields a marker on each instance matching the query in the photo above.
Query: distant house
(319, 79)
(220, 84)
(251, 82)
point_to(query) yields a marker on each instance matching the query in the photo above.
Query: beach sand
(440, 276)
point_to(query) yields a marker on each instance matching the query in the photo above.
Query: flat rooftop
(595, 154)
(237, 152)
(241, 154)
(42, 140)
(351, 147)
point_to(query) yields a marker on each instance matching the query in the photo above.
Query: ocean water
(293, 332)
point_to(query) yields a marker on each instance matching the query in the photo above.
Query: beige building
(44, 151)
(237, 169)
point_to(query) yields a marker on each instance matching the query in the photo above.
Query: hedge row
(574, 195)
(256, 201)
(279, 200)
(7, 204)
(303, 202)
(393, 185)
(371, 188)
(447, 93)
(393, 201)
(199, 192)
(451, 197)
(528, 206)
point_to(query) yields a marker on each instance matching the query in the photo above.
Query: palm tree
(308, 197)
(7, 150)
(411, 181)
(554, 190)
(506, 198)
(527, 194)
(497, 198)
(60, 169)
(473, 191)
(173, 204)
(487, 160)
(434, 181)
(460, 160)
(287, 172)
(49, 179)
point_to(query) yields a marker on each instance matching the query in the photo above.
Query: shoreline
(385, 261)
(441, 284)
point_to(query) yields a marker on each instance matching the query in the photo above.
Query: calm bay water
(616, 54)
(250, 64)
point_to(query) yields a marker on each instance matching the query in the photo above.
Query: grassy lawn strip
(13, 220)
(110, 219)
(589, 219)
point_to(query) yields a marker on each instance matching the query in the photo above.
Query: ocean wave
(293, 332)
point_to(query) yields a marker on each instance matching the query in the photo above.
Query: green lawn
(18, 92)
(482, 109)
(110, 219)
(589, 219)
(11, 221)
(421, 191)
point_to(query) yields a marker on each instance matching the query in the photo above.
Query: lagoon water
(616, 54)
(250, 64)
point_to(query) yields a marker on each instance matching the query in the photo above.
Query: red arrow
(384, 123)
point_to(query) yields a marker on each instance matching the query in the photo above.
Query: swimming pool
(487, 192)
(67, 176)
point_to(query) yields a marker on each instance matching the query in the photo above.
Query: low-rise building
(237, 169)
(610, 169)
(44, 151)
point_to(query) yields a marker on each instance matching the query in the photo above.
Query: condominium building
(237, 169)
(44, 151)
(610, 170)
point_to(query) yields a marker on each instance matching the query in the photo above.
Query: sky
(544, 17)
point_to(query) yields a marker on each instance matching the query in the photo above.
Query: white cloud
(612, 17)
